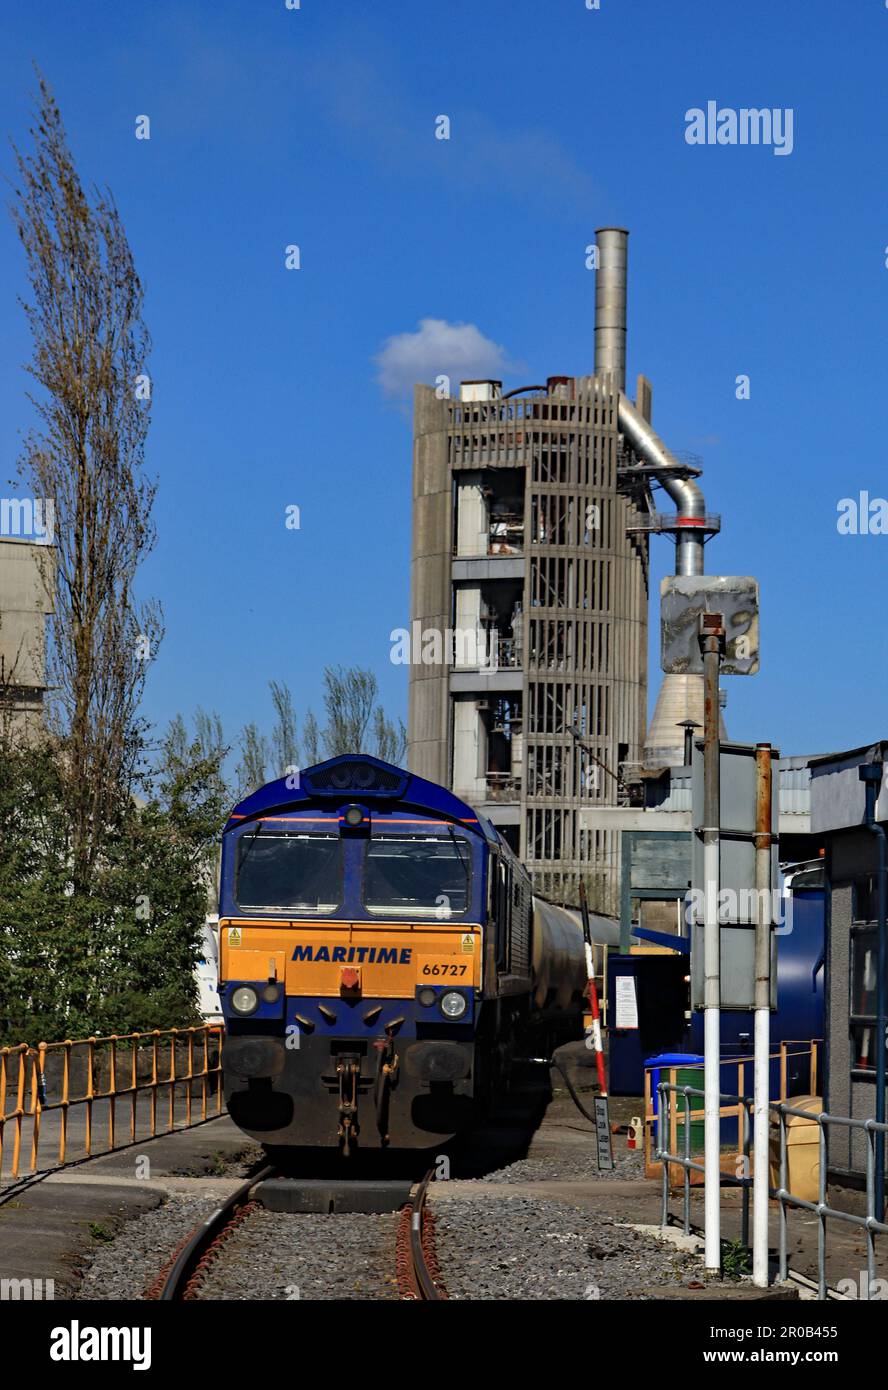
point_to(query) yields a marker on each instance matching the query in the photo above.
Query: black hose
(573, 1095)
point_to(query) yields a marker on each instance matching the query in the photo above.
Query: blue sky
(315, 127)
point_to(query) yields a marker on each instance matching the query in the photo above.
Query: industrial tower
(531, 517)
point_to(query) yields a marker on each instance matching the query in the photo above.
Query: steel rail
(205, 1235)
(423, 1276)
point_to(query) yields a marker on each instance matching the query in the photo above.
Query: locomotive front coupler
(348, 1070)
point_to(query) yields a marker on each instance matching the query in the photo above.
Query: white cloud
(438, 348)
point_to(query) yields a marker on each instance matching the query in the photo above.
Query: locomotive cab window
(287, 873)
(418, 875)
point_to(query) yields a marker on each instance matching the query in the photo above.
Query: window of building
(864, 973)
(865, 904)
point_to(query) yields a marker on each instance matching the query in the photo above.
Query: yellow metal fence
(67, 1095)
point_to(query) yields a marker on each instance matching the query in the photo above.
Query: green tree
(121, 957)
(85, 457)
(106, 853)
(389, 741)
(349, 697)
(355, 723)
(311, 740)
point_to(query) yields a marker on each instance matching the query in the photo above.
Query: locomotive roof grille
(362, 778)
(359, 775)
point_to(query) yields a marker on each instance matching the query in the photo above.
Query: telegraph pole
(709, 628)
(762, 1000)
(712, 643)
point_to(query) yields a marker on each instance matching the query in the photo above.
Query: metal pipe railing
(821, 1209)
(870, 1224)
(689, 1164)
(24, 1069)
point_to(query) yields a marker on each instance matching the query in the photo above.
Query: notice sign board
(603, 1134)
(738, 901)
(625, 1002)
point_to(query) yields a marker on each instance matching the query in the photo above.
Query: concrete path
(47, 1229)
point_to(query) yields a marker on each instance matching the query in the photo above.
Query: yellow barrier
(133, 1064)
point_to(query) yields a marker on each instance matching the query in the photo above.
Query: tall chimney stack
(610, 304)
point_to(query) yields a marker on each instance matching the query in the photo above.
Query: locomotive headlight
(453, 1005)
(245, 1000)
(354, 816)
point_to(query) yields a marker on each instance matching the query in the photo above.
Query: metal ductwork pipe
(685, 493)
(610, 304)
(681, 696)
(610, 361)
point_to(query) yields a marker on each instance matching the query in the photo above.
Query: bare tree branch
(90, 345)
(284, 748)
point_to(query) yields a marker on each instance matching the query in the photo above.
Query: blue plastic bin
(664, 1061)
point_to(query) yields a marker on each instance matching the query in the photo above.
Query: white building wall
(472, 522)
(469, 751)
(469, 641)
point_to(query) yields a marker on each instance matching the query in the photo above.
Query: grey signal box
(738, 898)
(683, 598)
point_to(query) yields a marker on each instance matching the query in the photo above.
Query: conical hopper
(680, 699)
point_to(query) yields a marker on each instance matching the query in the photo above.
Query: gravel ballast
(577, 1163)
(526, 1248)
(127, 1266)
(268, 1256)
(493, 1240)
(340, 1256)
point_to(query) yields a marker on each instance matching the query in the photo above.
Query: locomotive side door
(503, 914)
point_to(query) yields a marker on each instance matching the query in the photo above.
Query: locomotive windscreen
(302, 872)
(427, 875)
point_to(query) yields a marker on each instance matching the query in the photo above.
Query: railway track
(182, 1279)
(418, 1276)
(418, 1272)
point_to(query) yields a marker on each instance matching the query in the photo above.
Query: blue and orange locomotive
(382, 960)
